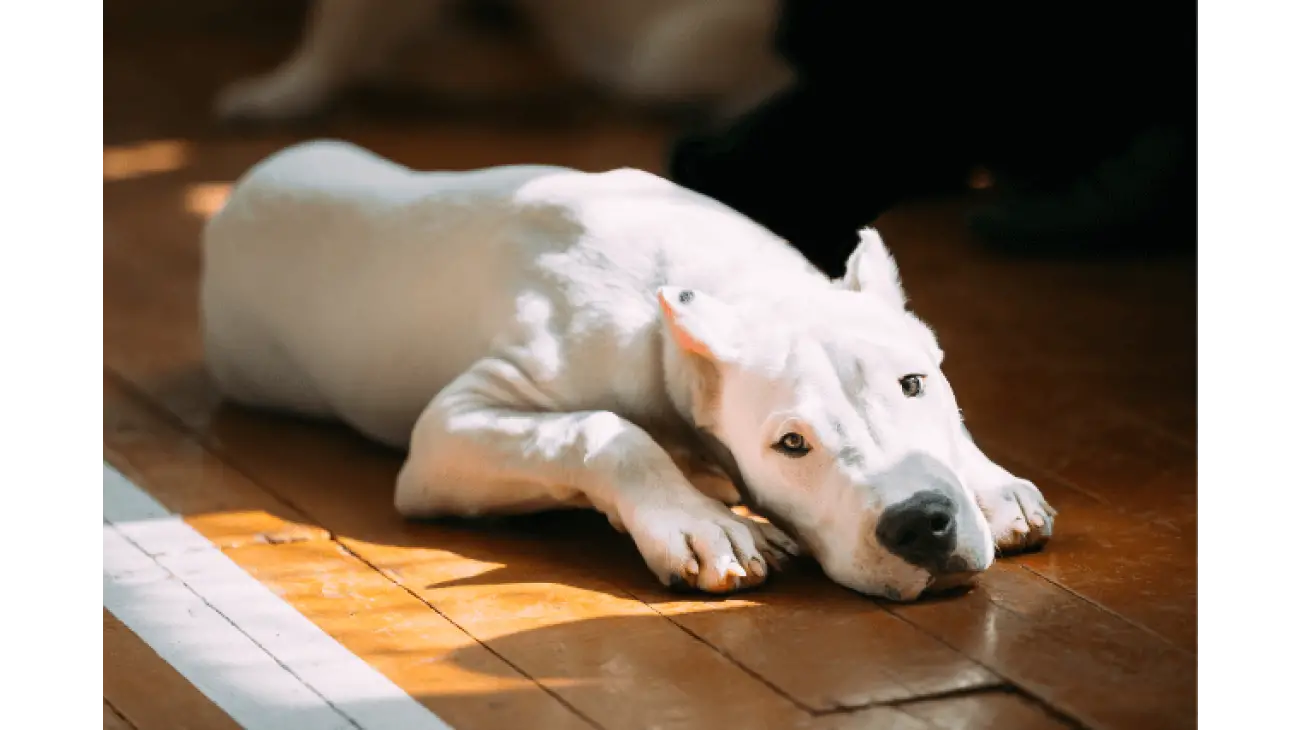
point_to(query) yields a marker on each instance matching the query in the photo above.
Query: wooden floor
(1078, 375)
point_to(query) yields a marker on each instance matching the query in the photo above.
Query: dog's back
(339, 284)
(325, 273)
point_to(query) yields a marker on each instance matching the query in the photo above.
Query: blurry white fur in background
(716, 57)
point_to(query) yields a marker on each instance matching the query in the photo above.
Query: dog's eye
(793, 445)
(913, 385)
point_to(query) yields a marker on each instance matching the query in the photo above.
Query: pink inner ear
(681, 336)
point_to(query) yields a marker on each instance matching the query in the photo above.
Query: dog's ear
(871, 270)
(701, 324)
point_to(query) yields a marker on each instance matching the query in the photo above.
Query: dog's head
(832, 407)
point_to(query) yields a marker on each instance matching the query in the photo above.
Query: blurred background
(1075, 126)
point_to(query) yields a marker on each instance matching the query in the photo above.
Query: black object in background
(1085, 114)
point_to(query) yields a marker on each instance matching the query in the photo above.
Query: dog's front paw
(1018, 515)
(710, 549)
(280, 96)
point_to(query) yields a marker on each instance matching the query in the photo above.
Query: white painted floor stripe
(252, 654)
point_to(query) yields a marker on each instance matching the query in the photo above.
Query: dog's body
(718, 55)
(539, 337)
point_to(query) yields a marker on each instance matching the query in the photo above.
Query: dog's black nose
(921, 529)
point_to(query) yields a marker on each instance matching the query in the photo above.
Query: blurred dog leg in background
(715, 57)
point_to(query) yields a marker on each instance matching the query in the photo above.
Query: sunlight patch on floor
(205, 199)
(127, 162)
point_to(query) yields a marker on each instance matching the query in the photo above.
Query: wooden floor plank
(366, 612)
(218, 501)
(147, 691)
(430, 658)
(1143, 569)
(822, 645)
(113, 720)
(1092, 665)
(872, 718)
(1096, 445)
(984, 711)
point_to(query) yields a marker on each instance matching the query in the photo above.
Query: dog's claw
(1019, 517)
(712, 550)
(730, 568)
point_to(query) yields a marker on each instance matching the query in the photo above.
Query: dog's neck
(693, 388)
(686, 386)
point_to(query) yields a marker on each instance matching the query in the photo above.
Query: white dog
(716, 54)
(538, 337)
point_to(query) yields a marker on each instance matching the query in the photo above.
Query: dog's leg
(345, 41)
(1018, 515)
(473, 452)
